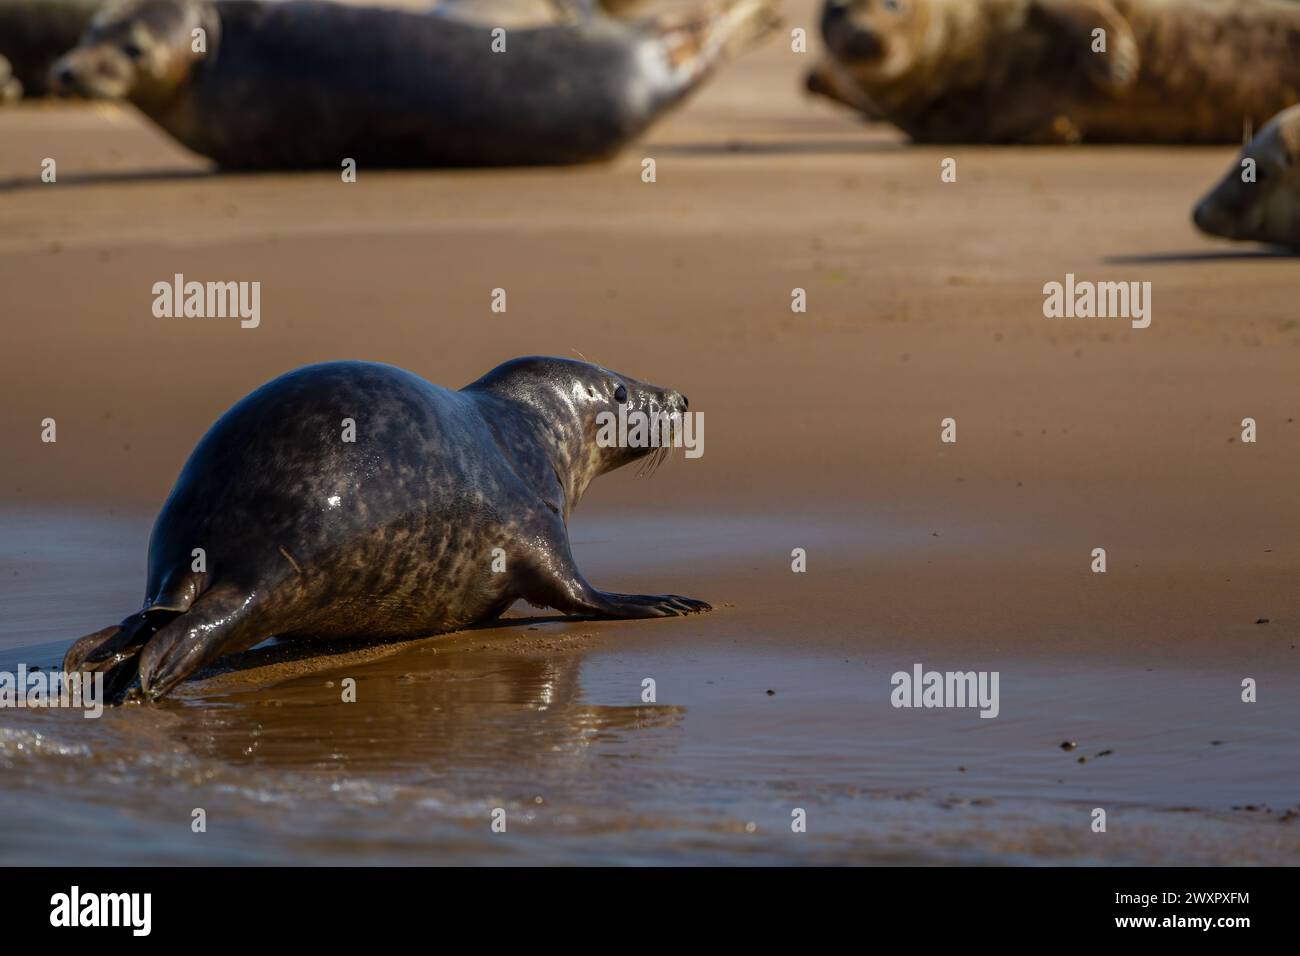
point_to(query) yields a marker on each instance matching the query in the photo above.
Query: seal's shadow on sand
(807, 147)
(123, 177)
(1202, 255)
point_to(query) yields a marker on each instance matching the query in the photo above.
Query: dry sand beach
(823, 432)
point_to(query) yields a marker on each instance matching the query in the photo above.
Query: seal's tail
(697, 39)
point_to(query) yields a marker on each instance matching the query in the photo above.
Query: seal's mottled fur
(1025, 71)
(391, 535)
(309, 84)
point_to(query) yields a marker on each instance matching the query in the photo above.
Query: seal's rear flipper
(697, 39)
(221, 621)
(115, 650)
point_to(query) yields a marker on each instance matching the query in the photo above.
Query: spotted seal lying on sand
(392, 534)
(1259, 197)
(309, 84)
(35, 33)
(1025, 71)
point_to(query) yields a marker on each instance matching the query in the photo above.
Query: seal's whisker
(655, 460)
(647, 464)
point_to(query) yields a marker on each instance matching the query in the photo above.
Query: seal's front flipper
(648, 605)
(555, 581)
(1113, 69)
(586, 601)
(825, 78)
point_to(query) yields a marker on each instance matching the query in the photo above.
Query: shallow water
(543, 719)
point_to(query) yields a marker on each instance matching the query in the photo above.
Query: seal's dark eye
(620, 394)
(893, 6)
(132, 51)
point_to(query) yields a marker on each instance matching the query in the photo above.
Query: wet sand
(822, 432)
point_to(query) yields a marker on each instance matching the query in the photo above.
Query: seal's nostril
(65, 76)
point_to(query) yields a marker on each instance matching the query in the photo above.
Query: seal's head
(576, 408)
(876, 40)
(1259, 198)
(141, 50)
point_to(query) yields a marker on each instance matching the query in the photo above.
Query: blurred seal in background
(309, 84)
(1259, 197)
(1064, 71)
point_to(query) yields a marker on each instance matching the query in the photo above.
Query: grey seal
(303, 533)
(1259, 196)
(308, 84)
(1035, 71)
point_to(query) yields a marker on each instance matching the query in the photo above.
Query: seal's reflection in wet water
(431, 709)
(442, 733)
